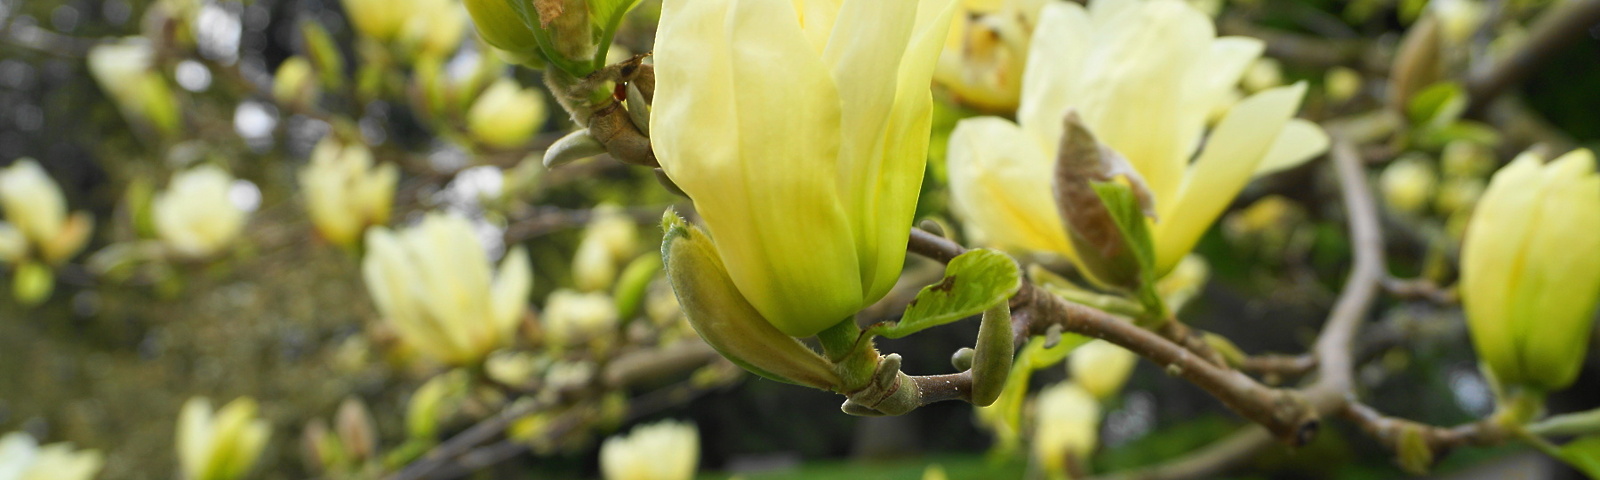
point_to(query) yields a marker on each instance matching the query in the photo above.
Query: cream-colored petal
(1492, 263)
(1061, 45)
(1299, 141)
(769, 191)
(1136, 101)
(511, 288)
(1228, 162)
(1000, 183)
(888, 200)
(194, 437)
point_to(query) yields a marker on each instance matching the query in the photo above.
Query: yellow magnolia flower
(433, 285)
(1143, 76)
(345, 192)
(1530, 270)
(22, 458)
(432, 27)
(125, 70)
(379, 20)
(667, 450)
(1066, 425)
(195, 215)
(572, 318)
(986, 50)
(506, 115)
(1101, 368)
(428, 27)
(221, 445)
(34, 205)
(800, 130)
(609, 241)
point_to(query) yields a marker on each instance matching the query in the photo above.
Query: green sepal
(727, 321)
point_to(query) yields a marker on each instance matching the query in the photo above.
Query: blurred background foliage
(286, 320)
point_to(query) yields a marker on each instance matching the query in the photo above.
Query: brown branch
(546, 220)
(621, 373)
(1405, 436)
(1553, 30)
(1419, 289)
(1334, 346)
(1284, 412)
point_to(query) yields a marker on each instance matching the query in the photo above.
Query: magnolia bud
(1530, 271)
(1342, 84)
(610, 239)
(1462, 158)
(500, 26)
(32, 283)
(726, 320)
(293, 85)
(1418, 63)
(1104, 251)
(1408, 183)
(433, 402)
(357, 430)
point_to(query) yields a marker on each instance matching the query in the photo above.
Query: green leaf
(1438, 105)
(607, 17)
(1123, 205)
(1583, 454)
(634, 283)
(973, 282)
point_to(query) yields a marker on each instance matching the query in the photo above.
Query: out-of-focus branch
(1419, 289)
(623, 372)
(546, 220)
(1335, 345)
(1556, 28)
(1418, 444)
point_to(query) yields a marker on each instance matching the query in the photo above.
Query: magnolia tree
(828, 176)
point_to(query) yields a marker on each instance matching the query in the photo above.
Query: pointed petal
(511, 289)
(1228, 162)
(1051, 82)
(1299, 141)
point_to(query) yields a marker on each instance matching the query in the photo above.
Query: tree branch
(1284, 412)
(1556, 28)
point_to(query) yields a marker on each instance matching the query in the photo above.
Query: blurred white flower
(1066, 425)
(1101, 367)
(433, 284)
(220, 445)
(21, 458)
(506, 115)
(572, 318)
(609, 241)
(345, 192)
(667, 450)
(196, 215)
(36, 209)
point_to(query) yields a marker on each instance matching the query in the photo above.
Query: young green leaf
(1583, 454)
(973, 282)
